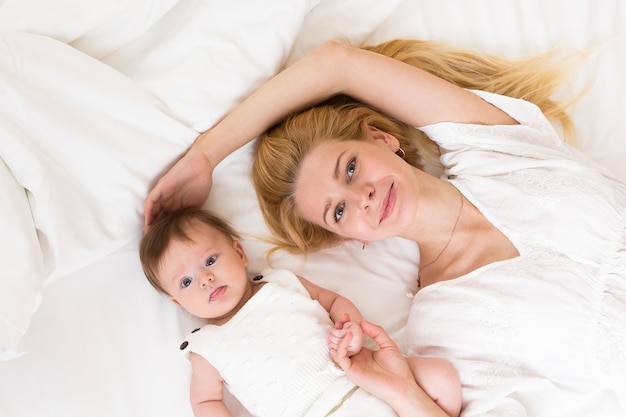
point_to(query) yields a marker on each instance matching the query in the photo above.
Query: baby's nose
(206, 279)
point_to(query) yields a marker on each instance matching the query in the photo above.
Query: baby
(268, 338)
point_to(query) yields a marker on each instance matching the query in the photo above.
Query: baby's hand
(342, 328)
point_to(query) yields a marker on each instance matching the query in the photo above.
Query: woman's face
(358, 189)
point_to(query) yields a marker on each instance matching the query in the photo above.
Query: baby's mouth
(217, 293)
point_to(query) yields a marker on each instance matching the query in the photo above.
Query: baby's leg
(439, 380)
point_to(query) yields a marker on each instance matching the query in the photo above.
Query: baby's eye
(350, 168)
(185, 282)
(210, 261)
(339, 212)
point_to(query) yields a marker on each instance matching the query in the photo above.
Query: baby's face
(207, 275)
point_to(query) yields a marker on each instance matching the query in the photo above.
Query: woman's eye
(210, 261)
(350, 168)
(339, 212)
(185, 282)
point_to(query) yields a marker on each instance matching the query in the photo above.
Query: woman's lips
(388, 204)
(217, 293)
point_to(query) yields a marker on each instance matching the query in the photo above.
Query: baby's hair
(175, 226)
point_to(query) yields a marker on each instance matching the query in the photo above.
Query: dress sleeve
(493, 149)
(533, 128)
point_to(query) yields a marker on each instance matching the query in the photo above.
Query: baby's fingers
(339, 333)
(333, 340)
(340, 353)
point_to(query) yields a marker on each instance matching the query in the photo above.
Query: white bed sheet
(102, 342)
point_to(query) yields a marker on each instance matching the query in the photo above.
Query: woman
(518, 221)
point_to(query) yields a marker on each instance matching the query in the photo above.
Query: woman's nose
(365, 196)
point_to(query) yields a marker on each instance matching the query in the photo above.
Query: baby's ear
(242, 253)
(172, 299)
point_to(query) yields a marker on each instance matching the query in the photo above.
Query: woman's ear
(385, 137)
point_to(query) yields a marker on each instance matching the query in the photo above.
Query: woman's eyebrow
(324, 216)
(336, 173)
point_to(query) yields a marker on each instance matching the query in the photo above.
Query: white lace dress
(543, 334)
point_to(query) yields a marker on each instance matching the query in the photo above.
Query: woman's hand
(385, 373)
(186, 184)
(382, 372)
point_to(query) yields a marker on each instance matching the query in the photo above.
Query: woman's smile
(388, 205)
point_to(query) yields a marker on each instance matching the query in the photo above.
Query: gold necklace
(456, 222)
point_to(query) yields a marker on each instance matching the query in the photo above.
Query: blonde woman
(513, 222)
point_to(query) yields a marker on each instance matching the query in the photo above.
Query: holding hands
(343, 328)
(384, 372)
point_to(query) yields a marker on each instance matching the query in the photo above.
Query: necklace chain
(456, 222)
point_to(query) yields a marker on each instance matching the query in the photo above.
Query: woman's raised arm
(188, 183)
(401, 90)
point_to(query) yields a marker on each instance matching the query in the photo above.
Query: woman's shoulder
(533, 130)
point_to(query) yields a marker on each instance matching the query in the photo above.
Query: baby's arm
(206, 392)
(439, 380)
(342, 312)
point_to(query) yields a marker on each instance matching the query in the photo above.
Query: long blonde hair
(281, 149)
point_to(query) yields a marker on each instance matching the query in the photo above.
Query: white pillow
(86, 141)
(96, 27)
(204, 57)
(357, 17)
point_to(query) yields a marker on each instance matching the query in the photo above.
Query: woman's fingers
(379, 335)
(152, 207)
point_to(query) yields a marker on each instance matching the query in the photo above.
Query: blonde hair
(174, 226)
(280, 150)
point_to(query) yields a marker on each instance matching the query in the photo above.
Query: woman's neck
(453, 236)
(439, 215)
